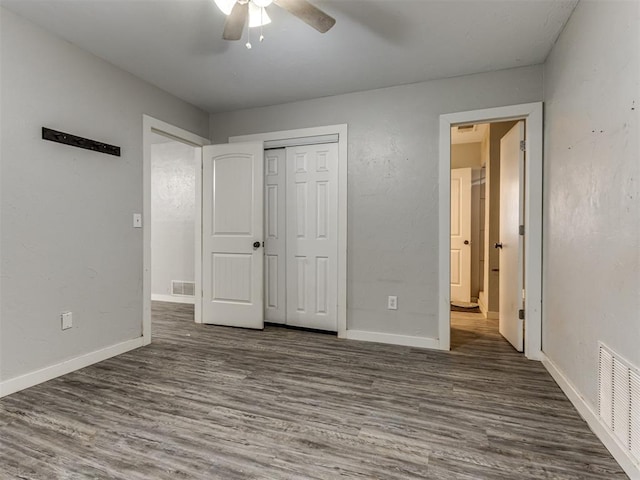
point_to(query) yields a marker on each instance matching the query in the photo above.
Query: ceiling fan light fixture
(225, 6)
(252, 13)
(257, 16)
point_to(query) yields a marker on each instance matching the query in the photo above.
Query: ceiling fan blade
(236, 21)
(308, 13)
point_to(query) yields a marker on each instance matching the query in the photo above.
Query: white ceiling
(177, 44)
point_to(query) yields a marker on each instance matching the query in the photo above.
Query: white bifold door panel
(312, 236)
(232, 235)
(461, 234)
(511, 244)
(275, 229)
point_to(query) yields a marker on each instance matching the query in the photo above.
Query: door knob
(256, 245)
(466, 242)
(497, 245)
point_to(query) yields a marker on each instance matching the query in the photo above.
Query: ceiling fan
(240, 12)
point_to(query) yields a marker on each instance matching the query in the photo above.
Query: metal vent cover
(634, 414)
(182, 288)
(619, 399)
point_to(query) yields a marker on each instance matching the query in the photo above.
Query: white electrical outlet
(66, 318)
(392, 302)
(137, 220)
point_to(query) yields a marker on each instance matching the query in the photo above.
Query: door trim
(153, 125)
(532, 113)
(342, 132)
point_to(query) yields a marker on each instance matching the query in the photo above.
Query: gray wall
(592, 214)
(173, 215)
(393, 183)
(67, 241)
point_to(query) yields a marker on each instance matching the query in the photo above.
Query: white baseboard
(406, 340)
(7, 387)
(622, 456)
(157, 297)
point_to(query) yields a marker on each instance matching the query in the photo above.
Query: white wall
(173, 209)
(592, 194)
(393, 183)
(67, 238)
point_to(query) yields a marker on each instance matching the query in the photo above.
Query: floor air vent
(619, 399)
(184, 289)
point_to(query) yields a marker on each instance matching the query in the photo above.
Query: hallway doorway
(487, 241)
(524, 199)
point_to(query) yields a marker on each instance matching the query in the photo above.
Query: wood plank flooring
(204, 402)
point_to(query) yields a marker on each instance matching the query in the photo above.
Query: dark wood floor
(207, 402)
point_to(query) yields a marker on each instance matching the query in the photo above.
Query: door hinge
(521, 230)
(521, 314)
(523, 145)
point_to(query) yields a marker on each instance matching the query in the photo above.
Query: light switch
(137, 220)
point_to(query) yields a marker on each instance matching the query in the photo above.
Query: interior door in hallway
(511, 243)
(232, 235)
(460, 234)
(312, 236)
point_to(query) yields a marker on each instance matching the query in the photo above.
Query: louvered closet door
(312, 236)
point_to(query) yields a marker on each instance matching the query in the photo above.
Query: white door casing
(152, 126)
(460, 233)
(312, 236)
(532, 113)
(232, 235)
(275, 262)
(511, 242)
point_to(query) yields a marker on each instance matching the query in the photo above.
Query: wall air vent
(466, 128)
(183, 289)
(619, 399)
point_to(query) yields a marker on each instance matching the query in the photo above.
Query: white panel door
(232, 235)
(511, 243)
(275, 228)
(312, 236)
(461, 234)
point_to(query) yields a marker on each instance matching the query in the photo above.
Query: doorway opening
(527, 304)
(173, 205)
(487, 232)
(172, 159)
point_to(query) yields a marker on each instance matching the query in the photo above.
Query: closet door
(312, 236)
(275, 224)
